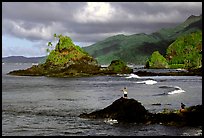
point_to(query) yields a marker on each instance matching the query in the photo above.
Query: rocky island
(69, 60)
(131, 111)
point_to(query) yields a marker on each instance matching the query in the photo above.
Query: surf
(132, 76)
(171, 90)
(148, 82)
(177, 90)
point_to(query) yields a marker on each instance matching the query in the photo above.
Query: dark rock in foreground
(132, 111)
(123, 110)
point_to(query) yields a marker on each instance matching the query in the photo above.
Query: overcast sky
(28, 26)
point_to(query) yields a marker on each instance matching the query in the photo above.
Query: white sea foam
(172, 90)
(132, 76)
(177, 90)
(148, 82)
(111, 121)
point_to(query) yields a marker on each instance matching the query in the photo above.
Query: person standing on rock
(125, 92)
(182, 107)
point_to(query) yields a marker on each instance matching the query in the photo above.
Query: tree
(49, 44)
(49, 47)
(55, 35)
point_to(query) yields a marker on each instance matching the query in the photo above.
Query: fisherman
(182, 107)
(125, 92)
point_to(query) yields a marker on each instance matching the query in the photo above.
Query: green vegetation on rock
(69, 60)
(156, 60)
(66, 53)
(118, 66)
(186, 51)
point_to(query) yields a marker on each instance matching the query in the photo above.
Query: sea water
(46, 106)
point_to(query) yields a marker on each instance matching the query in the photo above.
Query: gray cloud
(39, 12)
(91, 22)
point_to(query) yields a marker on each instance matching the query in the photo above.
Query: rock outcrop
(123, 110)
(132, 111)
(195, 72)
(157, 61)
(69, 60)
(118, 66)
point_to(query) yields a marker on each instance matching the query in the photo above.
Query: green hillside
(186, 51)
(138, 47)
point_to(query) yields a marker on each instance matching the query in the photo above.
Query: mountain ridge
(23, 59)
(137, 48)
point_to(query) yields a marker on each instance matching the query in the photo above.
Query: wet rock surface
(132, 111)
(192, 72)
(79, 69)
(123, 110)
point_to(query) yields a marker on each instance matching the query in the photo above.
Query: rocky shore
(131, 111)
(190, 72)
(74, 70)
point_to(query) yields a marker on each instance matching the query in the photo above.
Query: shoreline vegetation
(69, 60)
(194, 72)
(185, 52)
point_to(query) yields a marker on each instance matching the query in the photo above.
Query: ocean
(46, 106)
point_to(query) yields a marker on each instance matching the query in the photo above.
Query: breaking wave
(148, 82)
(132, 76)
(177, 90)
(169, 90)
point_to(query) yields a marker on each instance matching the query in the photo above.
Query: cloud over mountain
(89, 22)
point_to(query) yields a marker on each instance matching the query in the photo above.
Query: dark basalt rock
(78, 69)
(132, 111)
(123, 110)
(191, 116)
(182, 73)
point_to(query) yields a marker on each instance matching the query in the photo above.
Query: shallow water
(51, 106)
